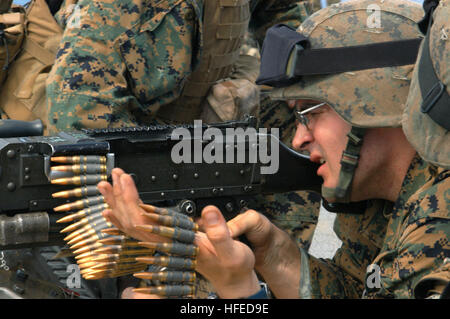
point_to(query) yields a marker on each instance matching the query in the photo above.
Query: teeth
(322, 161)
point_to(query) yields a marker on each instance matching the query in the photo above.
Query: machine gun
(27, 215)
(29, 199)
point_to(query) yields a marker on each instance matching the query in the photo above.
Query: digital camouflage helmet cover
(356, 56)
(426, 120)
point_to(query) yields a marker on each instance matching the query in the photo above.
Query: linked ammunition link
(179, 260)
(103, 251)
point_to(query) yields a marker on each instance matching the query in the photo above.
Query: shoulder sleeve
(88, 73)
(119, 61)
(421, 243)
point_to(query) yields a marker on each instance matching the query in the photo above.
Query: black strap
(436, 100)
(277, 47)
(286, 57)
(428, 7)
(354, 58)
(347, 208)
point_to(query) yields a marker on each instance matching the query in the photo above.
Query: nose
(302, 138)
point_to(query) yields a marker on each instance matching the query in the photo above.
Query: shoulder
(432, 199)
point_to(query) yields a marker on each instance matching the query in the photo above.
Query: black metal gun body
(146, 154)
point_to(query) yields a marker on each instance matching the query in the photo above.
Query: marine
(388, 227)
(353, 122)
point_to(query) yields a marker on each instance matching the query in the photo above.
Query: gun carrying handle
(15, 128)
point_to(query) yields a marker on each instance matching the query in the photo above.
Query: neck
(399, 170)
(386, 165)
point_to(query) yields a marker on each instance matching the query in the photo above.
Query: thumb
(217, 231)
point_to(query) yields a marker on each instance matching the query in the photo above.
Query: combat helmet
(426, 120)
(356, 56)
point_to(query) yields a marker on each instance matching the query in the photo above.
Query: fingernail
(211, 218)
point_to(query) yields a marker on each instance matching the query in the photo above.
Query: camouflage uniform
(362, 238)
(407, 239)
(416, 241)
(436, 284)
(108, 72)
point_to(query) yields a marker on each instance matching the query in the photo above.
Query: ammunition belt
(103, 251)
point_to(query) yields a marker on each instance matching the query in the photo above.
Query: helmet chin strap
(349, 162)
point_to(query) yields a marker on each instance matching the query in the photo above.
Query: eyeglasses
(302, 116)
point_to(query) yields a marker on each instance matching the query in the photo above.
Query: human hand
(277, 257)
(227, 263)
(230, 100)
(124, 211)
(259, 231)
